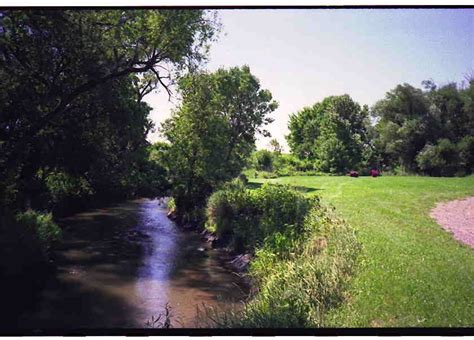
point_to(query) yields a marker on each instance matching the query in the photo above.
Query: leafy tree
(212, 133)
(441, 159)
(422, 130)
(332, 134)
(264, 160)
(275, 146)
(71, 90)
(402, 125)
(304, 129)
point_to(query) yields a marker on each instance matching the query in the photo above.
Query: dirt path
(458, 218)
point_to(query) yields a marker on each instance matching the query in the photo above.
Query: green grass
(411, 273)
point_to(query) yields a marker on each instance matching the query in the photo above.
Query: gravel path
(458, 218)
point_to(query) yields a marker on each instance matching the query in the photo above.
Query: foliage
(304, 255)
(300, 288)
(171, 204)
(247, 217)
(212, 133)
(263, 160)
(446, 158)
(232, 215)
(275, 146)
(61, 186)
(42, 225)
(267, 164)
(401, 125)
(74, 106)
(336, 135)
(419, 131)
(24, 257)
(73, 124)
(332, 134)
(466, 153)
(440, 159)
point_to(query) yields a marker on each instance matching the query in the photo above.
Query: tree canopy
(412, 130)
(427, 131)
(72, 85)
(212, 133)
(332, 134)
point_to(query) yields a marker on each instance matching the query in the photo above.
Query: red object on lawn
(374, 173)
(353, 173)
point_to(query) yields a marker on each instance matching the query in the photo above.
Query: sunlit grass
(411, 273)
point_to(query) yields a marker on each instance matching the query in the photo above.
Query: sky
(304, 55)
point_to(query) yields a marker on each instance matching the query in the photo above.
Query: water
(118, 267)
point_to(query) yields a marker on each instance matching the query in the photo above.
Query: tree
(275, 146)
(402, 125)
(264, 160)
(422, 130)
(212, 133)
(332, 134)
(54, 64)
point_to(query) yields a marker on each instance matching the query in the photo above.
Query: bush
(243, 178)
(232, 214)
(441, 159)
(62, 186)
(263, 160)
(274, 164)
(282, 209)
(298, 290)
(66, 193)
(302, 268)
(247, 217)
(42, 225)
(25, 265)
(171, 205)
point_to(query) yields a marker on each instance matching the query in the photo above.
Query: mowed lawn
(411, 272)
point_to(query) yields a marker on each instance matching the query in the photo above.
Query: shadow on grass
(302, 189)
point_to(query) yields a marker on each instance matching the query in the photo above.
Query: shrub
(247, 217)
(282, 209)
(62, 186)
(264, 160)
(441, 159)
(66, 193)
(243, 178)
(171, 204)
(285, 171)
(299, 276)
(42, 225)
(298, 289)
(232, 214)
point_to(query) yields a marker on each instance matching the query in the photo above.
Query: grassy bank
(411, 273)
(303, 255)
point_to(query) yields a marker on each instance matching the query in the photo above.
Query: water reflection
(119, 266)
(159, 257)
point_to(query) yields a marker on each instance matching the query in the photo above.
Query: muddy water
(118, 267)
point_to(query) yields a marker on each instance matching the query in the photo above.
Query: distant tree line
(428, 131)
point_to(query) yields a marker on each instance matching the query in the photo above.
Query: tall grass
(304, 255)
